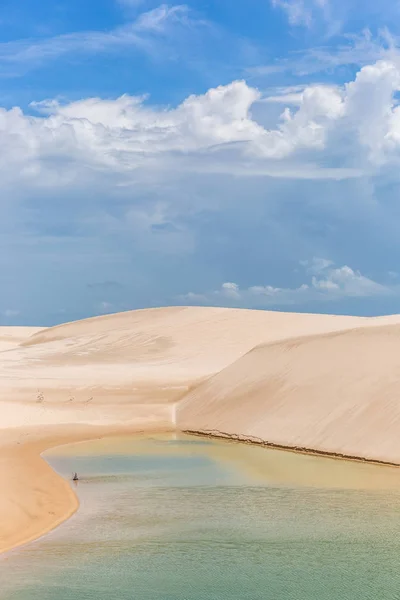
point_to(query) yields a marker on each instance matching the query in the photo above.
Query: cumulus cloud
(125, 186)
(214, 132)
(326, 283)
(343, 281)
(358, 124)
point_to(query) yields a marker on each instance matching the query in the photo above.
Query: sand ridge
(321, 381)
(332, 393)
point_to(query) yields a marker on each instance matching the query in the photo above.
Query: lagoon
(173, 517)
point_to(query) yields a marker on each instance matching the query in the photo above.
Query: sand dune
(320, 381)
(337, 392)
(11, 337)
(148, 356)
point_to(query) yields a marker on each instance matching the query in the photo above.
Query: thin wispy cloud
(145, 34)
(353, 50)
(297, 11)
(328, 18)
(304, 12)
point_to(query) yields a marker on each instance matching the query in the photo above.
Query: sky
(224, 153)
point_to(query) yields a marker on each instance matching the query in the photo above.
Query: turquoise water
(181, 520)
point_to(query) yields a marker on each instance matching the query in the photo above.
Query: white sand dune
(335, 393)
(11, 337)
(147, 356)
(323, 382)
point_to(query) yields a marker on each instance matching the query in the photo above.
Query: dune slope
(11, 337)
(336, 392)
(145, 356)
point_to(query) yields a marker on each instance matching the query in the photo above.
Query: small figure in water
(75, 477)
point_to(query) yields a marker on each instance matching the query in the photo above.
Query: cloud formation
(325, 283)
(351, 50)
(328, 18)
(163, 22)
(224, 172)
(333, 132)
(128, 186)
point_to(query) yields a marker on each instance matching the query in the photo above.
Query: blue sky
(216, 153)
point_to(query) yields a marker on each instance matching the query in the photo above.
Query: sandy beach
(325, 383)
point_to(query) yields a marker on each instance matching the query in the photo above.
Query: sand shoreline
(240, 439)
(37, 499)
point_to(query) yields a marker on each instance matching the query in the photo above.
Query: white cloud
(138, 144)
(328, 18)
(302, 12)
(18, 56)
(230, 290)
(297, 11)
(371, 109)
(292, 95)
(329, 283)
(354, 50)
(316, 265)
(346, 282)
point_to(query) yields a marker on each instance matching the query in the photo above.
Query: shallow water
(193, 519)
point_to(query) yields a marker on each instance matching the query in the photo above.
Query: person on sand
(75, 477)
